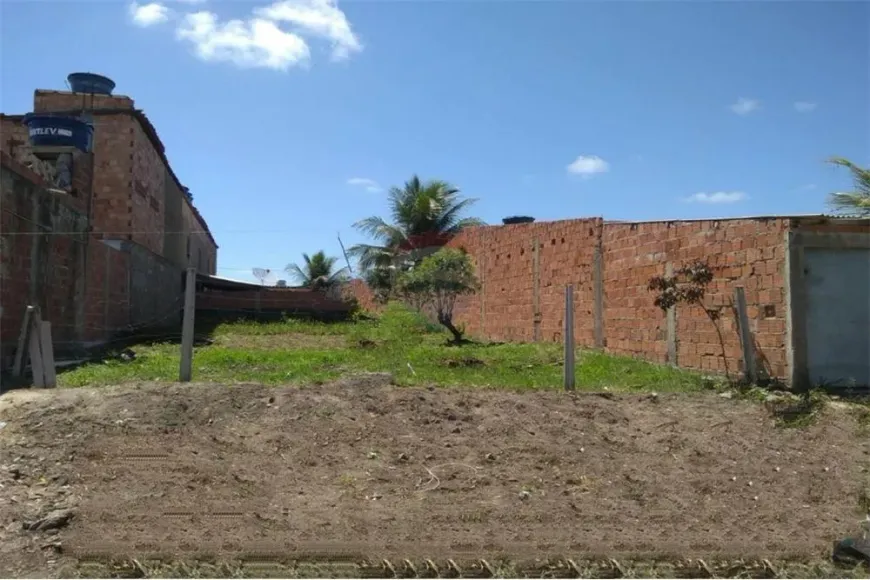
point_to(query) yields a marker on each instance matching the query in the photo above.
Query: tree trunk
(448, 324)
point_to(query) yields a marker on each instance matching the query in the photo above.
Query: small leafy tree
(437, 281)
(688, 285)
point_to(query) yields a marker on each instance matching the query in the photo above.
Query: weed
(401, 342)
(799, 412)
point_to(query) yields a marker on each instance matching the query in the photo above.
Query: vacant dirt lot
(360, 468)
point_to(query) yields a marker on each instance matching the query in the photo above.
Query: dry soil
(361, 468)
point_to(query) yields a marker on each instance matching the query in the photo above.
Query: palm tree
(855, 202)
(431, 208)
(317, 271)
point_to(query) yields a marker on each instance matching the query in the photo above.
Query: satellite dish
(264, 275)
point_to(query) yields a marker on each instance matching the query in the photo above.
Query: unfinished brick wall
(45, 254)
(201, 251)
(47, 101)
(508, 304)
(748, 253)
(130, 182)
(741, 252)
(148, 197)
(289, 300)
(107, 296)
(14, 135)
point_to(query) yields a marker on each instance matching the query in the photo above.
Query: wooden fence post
(23, 341)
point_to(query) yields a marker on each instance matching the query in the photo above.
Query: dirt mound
(367, 469)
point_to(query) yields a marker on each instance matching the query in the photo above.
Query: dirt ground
(363, 469)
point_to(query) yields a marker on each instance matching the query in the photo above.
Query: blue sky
(288, 123)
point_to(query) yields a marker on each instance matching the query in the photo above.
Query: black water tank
(90, 83)
(517, 219)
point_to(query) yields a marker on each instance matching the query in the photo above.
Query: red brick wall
(504, 256)
(45, 101)
(130, 177)
(741, 252)
(748, 253)
(42, 242)
(13, 134)
(358, 290)
(148, 176)
(107, 299)
(268, 299)
(203, 253)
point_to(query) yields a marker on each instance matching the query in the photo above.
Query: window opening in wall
(769, 311)
(188, 247)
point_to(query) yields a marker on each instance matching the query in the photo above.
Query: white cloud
(718, 197)
(274, 36)
(744, 106)
(369, 185)
(245, 43)
(320, 18)
(588, 165)
(148, 14)
(805, 107)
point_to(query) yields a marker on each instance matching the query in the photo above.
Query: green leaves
(852, 202)
(446, 271)
(317, 271)
(437, 281)
(417, 208)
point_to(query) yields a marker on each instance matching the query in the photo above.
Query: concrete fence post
(598, 296)
(187, 326)
(536, 290)
(671, 321)
(747, 342)
(569, 338)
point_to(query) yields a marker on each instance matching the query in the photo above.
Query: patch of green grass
(401, 342)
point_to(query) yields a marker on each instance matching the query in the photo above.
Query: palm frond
(451, 215)
(297, 274)
(852, 202)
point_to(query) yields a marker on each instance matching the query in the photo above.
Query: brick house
(126, 202)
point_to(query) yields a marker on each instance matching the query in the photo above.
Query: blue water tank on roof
(90, 83)
(59, 131)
